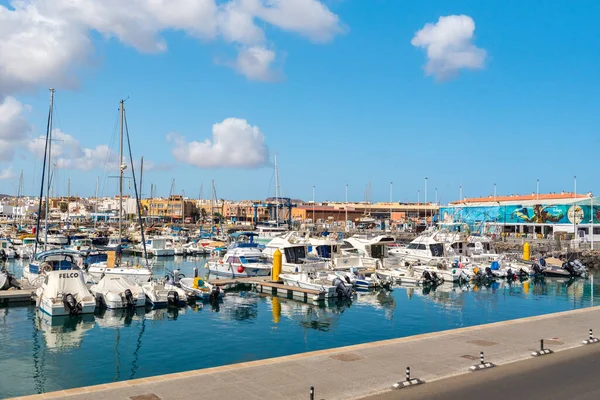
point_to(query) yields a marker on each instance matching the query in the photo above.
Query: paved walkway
(357, 371)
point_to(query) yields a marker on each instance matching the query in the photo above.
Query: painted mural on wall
(518, 214)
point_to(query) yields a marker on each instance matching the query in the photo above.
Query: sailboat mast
(141, 177)
(20, 194)
(68, 202)
(276, 193)
(121, 167)
(96, 204)
(50, 115)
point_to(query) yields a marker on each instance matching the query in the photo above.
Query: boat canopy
(55, 252)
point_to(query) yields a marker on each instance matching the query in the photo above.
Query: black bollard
(591, 334)
(407, 374)
(541, 344)
(312, 393)
(481, 357)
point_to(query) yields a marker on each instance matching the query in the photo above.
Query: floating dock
(25, 295)
(263, 284)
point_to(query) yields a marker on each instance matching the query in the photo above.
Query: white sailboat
(136, 273)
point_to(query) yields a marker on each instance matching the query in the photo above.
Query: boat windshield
(251, 260)
(437, 249)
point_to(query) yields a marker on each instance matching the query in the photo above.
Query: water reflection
(64, 333)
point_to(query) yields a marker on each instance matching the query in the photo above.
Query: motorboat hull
(137, 275)
(114, 301)
(58, 309)
(216, 268)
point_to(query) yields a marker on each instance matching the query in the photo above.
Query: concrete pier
(360, 370)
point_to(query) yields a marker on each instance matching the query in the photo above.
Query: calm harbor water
(39, 354)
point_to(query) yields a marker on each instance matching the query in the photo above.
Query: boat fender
(198, 282)
(240, 269)
(129, 297)
(173, 298)
(71, 304)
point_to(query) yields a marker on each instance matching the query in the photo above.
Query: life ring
(46, 267)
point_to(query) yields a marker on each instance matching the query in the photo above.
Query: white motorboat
(318, 280)
(442, 270)
(156, 247)
(115, 267)
(242, 259)
(81, 245)
(400, 275)
(360, 281)
(50, 260)
(118, 292)
(200, 289)
(25, 250)
(7, 247)
(7, 280)
(54, 239)
(161, 294)
(294, 253)
(65, 293)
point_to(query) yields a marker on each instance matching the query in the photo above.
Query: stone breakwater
(589, 258)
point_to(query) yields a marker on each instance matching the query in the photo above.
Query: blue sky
(347, 99)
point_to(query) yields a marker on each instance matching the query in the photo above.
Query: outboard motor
(542, 261)
(3, 255)
(341, 289)
(537, 269)
(463, 277)
(129, 298)
(569, 268)
(488, 273)
(71, 304)
(214, 294)
(427, 277)
(173, 298)
(435, 277)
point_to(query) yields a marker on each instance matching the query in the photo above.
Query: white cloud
(14, 128)
(235, 143)
(449, 46)
(256, 64)
(43, 42)
(7, 174)
(68, 153)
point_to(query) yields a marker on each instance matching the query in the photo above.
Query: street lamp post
(391, 201)
(426, 222)
(313, 209)
(346, 221)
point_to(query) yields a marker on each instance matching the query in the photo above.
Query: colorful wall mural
(475, 217)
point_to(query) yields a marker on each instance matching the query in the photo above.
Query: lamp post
(537, 190)
(346, 221)
(426, 222)
(313, 209)
(391, 201)
(575, 207)
(494, 192)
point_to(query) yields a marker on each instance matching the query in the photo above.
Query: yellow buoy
(276, 309)
(526, 251)
(276, 265)
(526, 287)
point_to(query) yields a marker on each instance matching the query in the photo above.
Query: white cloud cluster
(68, 153)
(14, 128)
(7, 174)
(449, 45)
(44, 41)
(235, 143)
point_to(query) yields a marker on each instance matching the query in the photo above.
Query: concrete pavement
(360, 370)
(571, 374)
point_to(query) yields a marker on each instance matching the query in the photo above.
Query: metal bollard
(481, 357)
(591, 334)
(312, 393)
(407, 374)
(541, 344)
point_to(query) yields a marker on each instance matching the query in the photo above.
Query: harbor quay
(353, 372)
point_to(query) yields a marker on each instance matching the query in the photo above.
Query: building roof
(546, 197)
